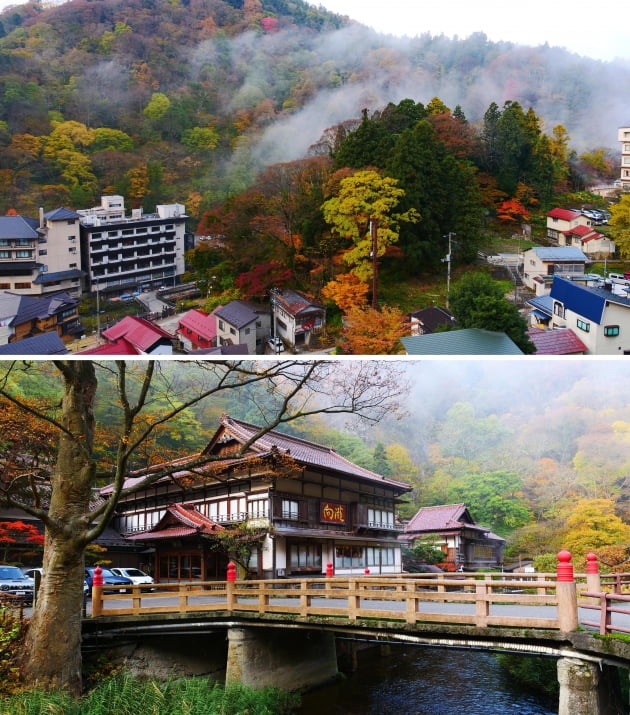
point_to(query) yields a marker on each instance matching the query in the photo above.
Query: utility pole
(447, 260)
(374, 233)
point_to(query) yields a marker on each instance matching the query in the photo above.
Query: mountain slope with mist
(207, 92)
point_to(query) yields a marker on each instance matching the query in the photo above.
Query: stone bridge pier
(290, 659)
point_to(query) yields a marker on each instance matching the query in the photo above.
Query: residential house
(134, 336)
(541, 264)
(598, 316)
(308, 506)
(26, 316)
(44, 344)
(594, 245)
(563, 221)
(296, 318)
(466, 545)
(123, 254)
(428, 320)
(243, 323)
(469, 341)
(197, 330)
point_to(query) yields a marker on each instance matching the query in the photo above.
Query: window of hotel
(258, 508)
(586, 327)
(348, 557)
(23, 254)
(5, 286)
(379, 518)
(305, 556)
(22, 286)
(611, 331)
(176, 567)
(380, 556)
(5, 254)
(289, 509)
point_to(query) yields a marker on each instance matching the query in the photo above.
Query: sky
(578, 26)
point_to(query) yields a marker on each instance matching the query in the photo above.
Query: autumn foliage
(18, 533)
(374, 332)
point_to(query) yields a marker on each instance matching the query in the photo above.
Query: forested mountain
(185, 100)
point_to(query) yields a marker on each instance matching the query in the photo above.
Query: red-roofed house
(311, 507)
(466, 545)
(134, 336)
(556, 342)
(592, 243)
(561, 220)
(197, 330)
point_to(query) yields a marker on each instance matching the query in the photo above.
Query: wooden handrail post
(605, 616)
(566, 594)
(482, 603)
(354, 601)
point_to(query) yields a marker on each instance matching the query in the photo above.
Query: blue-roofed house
(541, 264)
(599, 317)
(243, 323)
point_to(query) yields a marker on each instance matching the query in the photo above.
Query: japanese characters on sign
(332, 513)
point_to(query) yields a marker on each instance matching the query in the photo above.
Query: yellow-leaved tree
(363, 198)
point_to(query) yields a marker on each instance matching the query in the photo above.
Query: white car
(275, 344)
(137, 576)
(31, 574)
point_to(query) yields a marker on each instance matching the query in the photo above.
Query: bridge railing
(475, 599)
(608, 605)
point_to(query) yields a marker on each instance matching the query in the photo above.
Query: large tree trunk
(52, 655)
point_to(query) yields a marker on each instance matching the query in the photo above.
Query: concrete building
(124, 254)
(624, 137)
(41, 256)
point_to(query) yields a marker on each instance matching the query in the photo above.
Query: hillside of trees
(187, 100)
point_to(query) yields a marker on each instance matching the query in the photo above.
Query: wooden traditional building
(312, 506)
(466, 545)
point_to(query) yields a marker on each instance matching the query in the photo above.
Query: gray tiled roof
(44, 344)
(237, 314)
(18, 227)
(61, 214)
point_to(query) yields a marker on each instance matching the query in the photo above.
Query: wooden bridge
(562, 615)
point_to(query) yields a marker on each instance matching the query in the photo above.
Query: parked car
(137, 576)
(275, 344)
(109, 579)
(31, 574)
(15, 583)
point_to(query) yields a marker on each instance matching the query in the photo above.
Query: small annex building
(467, 546)
(308, 505)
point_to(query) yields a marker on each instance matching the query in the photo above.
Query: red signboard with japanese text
(332, 512)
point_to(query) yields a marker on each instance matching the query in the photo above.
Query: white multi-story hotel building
(624, 138)
(124, 254)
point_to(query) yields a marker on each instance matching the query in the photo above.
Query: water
(416, 680)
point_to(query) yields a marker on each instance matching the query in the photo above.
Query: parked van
(623, 278)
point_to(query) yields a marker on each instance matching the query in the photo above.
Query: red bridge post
(330, 570)
(229, 587)
(97, 592)
(566, 594)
